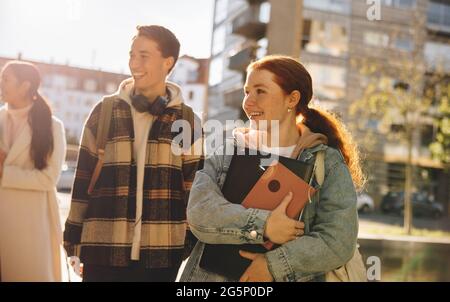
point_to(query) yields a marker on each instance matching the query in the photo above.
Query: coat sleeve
(215, 220)
(87, 159)
(192, 161)
(15, 177)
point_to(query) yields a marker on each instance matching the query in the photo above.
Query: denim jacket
(331, 221)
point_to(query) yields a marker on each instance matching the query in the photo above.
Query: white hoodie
(142, 122)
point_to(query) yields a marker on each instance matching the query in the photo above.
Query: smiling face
(264, 99)
(147, 65)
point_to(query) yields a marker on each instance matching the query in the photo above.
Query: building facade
(72, 92)
(192, 75)
(329, 36)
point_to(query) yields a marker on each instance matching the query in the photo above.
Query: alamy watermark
(374, 268)
(266, 133)
(373, 13)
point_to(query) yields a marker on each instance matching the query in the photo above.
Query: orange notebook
(276, 182)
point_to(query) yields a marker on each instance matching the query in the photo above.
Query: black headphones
(156, 108)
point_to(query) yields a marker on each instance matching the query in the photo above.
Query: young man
(132, 225)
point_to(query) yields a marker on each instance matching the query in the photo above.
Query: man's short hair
(166, 40)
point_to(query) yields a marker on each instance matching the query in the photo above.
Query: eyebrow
(141, 52)
(257, 86)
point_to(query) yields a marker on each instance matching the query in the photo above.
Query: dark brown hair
(166, 40)
(40, 115)
(291, 75)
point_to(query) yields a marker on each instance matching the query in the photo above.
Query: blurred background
(382, 66)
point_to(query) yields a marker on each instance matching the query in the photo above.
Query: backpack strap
(187, 114)
(319, 167)
(104, 123)
(319, 164)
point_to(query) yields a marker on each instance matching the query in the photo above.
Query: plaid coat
(100, 226)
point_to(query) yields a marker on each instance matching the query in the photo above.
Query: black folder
(243, 173)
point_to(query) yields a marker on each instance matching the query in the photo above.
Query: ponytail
(322, 121)
(40, 120)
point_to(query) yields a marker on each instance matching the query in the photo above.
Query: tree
(441, 147)
(399, 97)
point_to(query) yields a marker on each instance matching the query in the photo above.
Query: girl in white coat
(32, 151)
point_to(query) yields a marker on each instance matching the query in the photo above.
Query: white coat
(30, 228)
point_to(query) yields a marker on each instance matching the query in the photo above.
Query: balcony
(251, 2)
(241, 59)
(249, 25)
(333, 6)
(234, 98)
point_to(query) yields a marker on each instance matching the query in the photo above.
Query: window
(88, 103)
(329, 82)
(437, 55)
(192, 75)
(216, 71)
(59, 81)
(400, 3)
(405, 3)
(262, 48)
(220, 10)
(90, 85)
(191, 95)
(219, 39)
(71, 100)
(47, 80)
(325, 38)
(439, 14)
(434, 12)
(427, 134)
(264, 12)
(397, 128)
(306, 32)
(376, 39)
(336, 6)
(56, 106)
(372, 124)
(72, 83)
(111, 87)
(396, 177)
(404, 43)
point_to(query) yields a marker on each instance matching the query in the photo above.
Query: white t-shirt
(282, 151)
(142, 122)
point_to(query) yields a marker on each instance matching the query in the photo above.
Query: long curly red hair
(291, 75)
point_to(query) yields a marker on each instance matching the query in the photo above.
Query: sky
(97, 33)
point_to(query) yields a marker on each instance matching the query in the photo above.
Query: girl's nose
(249, 100)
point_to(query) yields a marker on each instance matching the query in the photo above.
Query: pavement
(64, 205)
(431, 224)
(389, 227)
(367, 223)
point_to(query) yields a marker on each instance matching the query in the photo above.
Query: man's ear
(169, 63)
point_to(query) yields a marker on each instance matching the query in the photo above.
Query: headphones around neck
(156, 108)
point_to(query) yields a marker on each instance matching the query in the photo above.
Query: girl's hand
(279, 227)
(258, 271)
